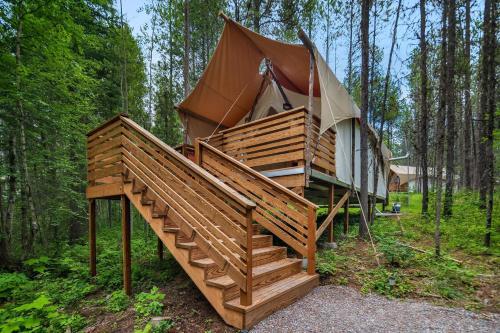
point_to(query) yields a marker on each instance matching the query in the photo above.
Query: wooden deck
(276, 147)
(210, 215)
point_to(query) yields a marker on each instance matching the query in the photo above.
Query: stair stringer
(197, 274)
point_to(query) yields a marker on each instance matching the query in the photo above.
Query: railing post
(311, 241)
(197, 151)
(246, 296)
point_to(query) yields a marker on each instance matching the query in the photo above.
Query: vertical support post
(311, 241)
(127, 272)
(246, 295)
(159, 248)
(331, 203)
(197, 151)
(346, 216)
(310, 47)
(92, 238)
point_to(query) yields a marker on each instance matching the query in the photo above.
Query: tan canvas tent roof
(231, 82)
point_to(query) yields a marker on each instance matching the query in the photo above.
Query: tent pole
(310, 46)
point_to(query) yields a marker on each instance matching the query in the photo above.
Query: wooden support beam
(346, 217)
(311, 241)
(332, 214)
(92, 237)
(331, 202)
(127, 272)
(246, 295)
(159, 248)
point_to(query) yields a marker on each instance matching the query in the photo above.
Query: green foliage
(35, 315)
(149, 304)
(385, 282)
(118, 301)
(9, 282)
(328, 262)
(395, 254)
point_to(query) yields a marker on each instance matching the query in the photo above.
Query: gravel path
(343, 309)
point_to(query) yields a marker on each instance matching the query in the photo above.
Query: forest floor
(55, 292)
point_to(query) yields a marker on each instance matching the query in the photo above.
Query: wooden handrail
(217, 217)
(245, 202)
(263, 120)
(332, 214)
(283, 212)
(257, 174)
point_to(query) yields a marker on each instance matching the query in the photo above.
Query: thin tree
(450, 111)
(187, 44)
(365, 47)
(467, 101)
(487, 113)
(28, 206)
(379, 161)
(440, 132)
(124, 82)
(424, 106)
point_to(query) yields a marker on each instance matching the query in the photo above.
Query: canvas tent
(233, 89)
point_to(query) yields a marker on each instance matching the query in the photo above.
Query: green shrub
(118, 301)
(149, 304)
(9, 282)
(385, 282)
(39, 315)
(395, 254)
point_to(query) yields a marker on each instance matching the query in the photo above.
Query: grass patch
(406, 273)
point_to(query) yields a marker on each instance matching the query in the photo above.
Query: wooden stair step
(171, 228)
(260, 273)
(260, 241)
(268, 254)
(276, 296)
(203, 262)
(187, 245)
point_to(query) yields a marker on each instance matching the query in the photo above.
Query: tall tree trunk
(488, 109)
(187, 44)
(365, 22)
(371, 109)
(124, 82)
(450, 113)
(31, 219)
(424, 114)
(150, 70)
(256, 15)
(350, 56)
(12, 189)
(440, 131)
(378, 159)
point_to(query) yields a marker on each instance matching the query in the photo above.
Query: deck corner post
(311, 241)
(346, 217)
(159, 248)
(92, 237)
(127, 272)
(197, 151)
(246, 295)
(331, 204)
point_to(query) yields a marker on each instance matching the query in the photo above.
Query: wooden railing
(266, 143)
(284, 213)
(277, 141)
(215, 216)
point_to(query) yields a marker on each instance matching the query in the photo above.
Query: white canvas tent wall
(231, 84)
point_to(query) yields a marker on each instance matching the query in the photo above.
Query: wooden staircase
(210, 216)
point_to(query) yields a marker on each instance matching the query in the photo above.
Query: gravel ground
(343, 309)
